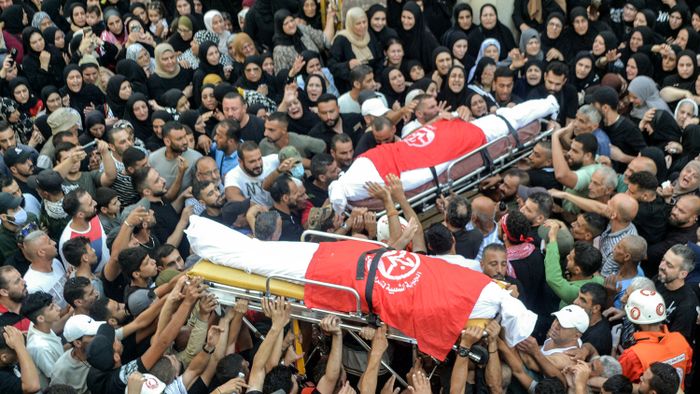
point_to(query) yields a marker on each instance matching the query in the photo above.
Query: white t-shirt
(45, 350)
(251, 187)
(70, 371)
(48, 282)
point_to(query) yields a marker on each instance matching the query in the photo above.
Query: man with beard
(205, 170)
(167, 228)
(13, 290)
(426, 110)
(494, 264)
(342, 151)
(20, 165)
(555, 83)
(324, 170)
(286, 195)
(168, 160)
(682, 227)
(209, 195)
(681, 301)
(246, 181)
(120, 139)
(53, 218)
(82, 209)
(539, 166)
(235, 108)
(574, 168)
(333, 123)
(69, 158)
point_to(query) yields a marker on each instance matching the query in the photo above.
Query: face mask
(298, 171)
(20, 217)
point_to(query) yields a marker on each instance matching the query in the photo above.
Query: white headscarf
(223, 36)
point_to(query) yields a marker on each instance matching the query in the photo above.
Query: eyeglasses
(25, 231)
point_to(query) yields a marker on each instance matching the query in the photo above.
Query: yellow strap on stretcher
(233, 277)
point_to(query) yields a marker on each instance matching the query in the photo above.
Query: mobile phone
(89, 144)
(13, 55)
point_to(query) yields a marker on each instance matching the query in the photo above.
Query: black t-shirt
(365, 143)
(352, 126)
(254, 130)
(114, 289)
(651, 220)
(198, 387)
(625, 135)
(599, 336)
(166, 221)
(543, 178)
(10, 382)
(468, 242)
(218, 219)
(567, 99)
(681, 310)
(291, 227)
(317, 196)
(109, 382)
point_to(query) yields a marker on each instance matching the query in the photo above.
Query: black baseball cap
(16, 155)
(8, 201)
(47, 180)
(232, 209)
(100, 352)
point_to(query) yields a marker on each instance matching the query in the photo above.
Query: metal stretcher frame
(490, 166)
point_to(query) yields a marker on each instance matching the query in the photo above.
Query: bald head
(624, 207)
(640, 163)
(635, 246)
(483, 207)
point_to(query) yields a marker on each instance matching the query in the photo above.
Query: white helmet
(645, 307)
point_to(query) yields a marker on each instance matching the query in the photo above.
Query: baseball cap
(374, 107)
(573, 316)
(78, 326)
(232, 209)
(16, 155)
(100, 352)
(151, 385)
(63, 119)
(287, 152)
(47, 180)
(8, 201)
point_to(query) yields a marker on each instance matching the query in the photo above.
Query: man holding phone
(69, 157)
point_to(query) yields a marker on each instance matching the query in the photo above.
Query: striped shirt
(608, 240)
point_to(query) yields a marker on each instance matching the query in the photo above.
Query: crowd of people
(121, 120)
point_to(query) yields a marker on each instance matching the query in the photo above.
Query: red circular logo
(634, 313)
(660, 309)
(647, 292)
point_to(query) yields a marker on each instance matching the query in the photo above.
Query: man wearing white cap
(72, 368)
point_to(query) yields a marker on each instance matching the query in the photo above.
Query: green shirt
(583, 179)
(566, 290)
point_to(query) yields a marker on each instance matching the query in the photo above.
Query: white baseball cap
(573, 316)
(151, 385)
(78, 326)
(374, 106)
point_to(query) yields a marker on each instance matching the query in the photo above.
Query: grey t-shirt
(168, 168)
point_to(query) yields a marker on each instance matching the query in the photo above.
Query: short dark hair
(130, 260)
(109, 135)
(34, 304)
(665, 379)
(74, 289)
(71, 202)
(558, 68)
(325, 98)
(645, 180)
(597, 292)
(544, 203)
(171, 125)
(265, 225)
(339, 138)
(439, 239)
(588, 257)
(6, 181)
(62, 147)
(162, 252)
(280, 187)
(596, 223)
(589, 144)
(60, 389)
(280, 117)
(246, 146)
(99, 310)
(279, 378)
(359, 73)
(458, 212)
(550, 386)
(4, 125)
(381, 123)
(3, 282)
(618, 384)
(233, 128)
(74, 249)
(518, 226)
(198, 187)
(229, 367)
(320, 163)
(104, 196)
(59, 137)
(132, 155)
(234, 95)
(139, 178)
(504, 72)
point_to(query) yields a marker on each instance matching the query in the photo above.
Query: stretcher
(466, 172)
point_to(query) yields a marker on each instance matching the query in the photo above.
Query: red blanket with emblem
(428, 146)
(424, 297)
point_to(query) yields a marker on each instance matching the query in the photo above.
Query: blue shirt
(223, 162)
(603, 142)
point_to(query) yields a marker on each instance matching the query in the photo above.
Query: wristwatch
(463, 351)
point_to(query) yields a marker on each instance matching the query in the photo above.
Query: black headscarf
(47, 91)
(685, 15)
(50, 34)
(189, 118)
(91, 119)
(204, 63)
(556, 43)
(153, 142)
(33, 100)
(452, 36)
(88, 95)
(454, 99)
(116, 104)
(418, 42)
(314, 21)
(657, 155)
(387, 32)
(455, 21)
(573, 42)
(282, 38)
(135, 74)
(693, 38)
(676, 81)
(12, 16)
(245, 83)
(170, 98)
(53, 8)
(305, 97)
(644, 65)
(590, 79)
(500, 32)
(142, 129)
(391, 95)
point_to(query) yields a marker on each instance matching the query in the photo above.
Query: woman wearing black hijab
(491, 27)
(462, 21)
(51, 99)
(418, 41)
(259, 21)
(436, 14)
(138, 114)
(53, 8)
(678, 16)
(686, 72)
(117, 94)
(81, 95)
(155, 136)
(638, 64)
(310, 13)
(641, 39)
(40, 73)
(135, 74)
(455, 90)
(15, 19)
(578, 36)
(20, 92)
(209, 63)
(458, 44)
(377, 20)
(393, 86)
(254, 78)
(95, 127)
(583, 75)
(552, 38)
